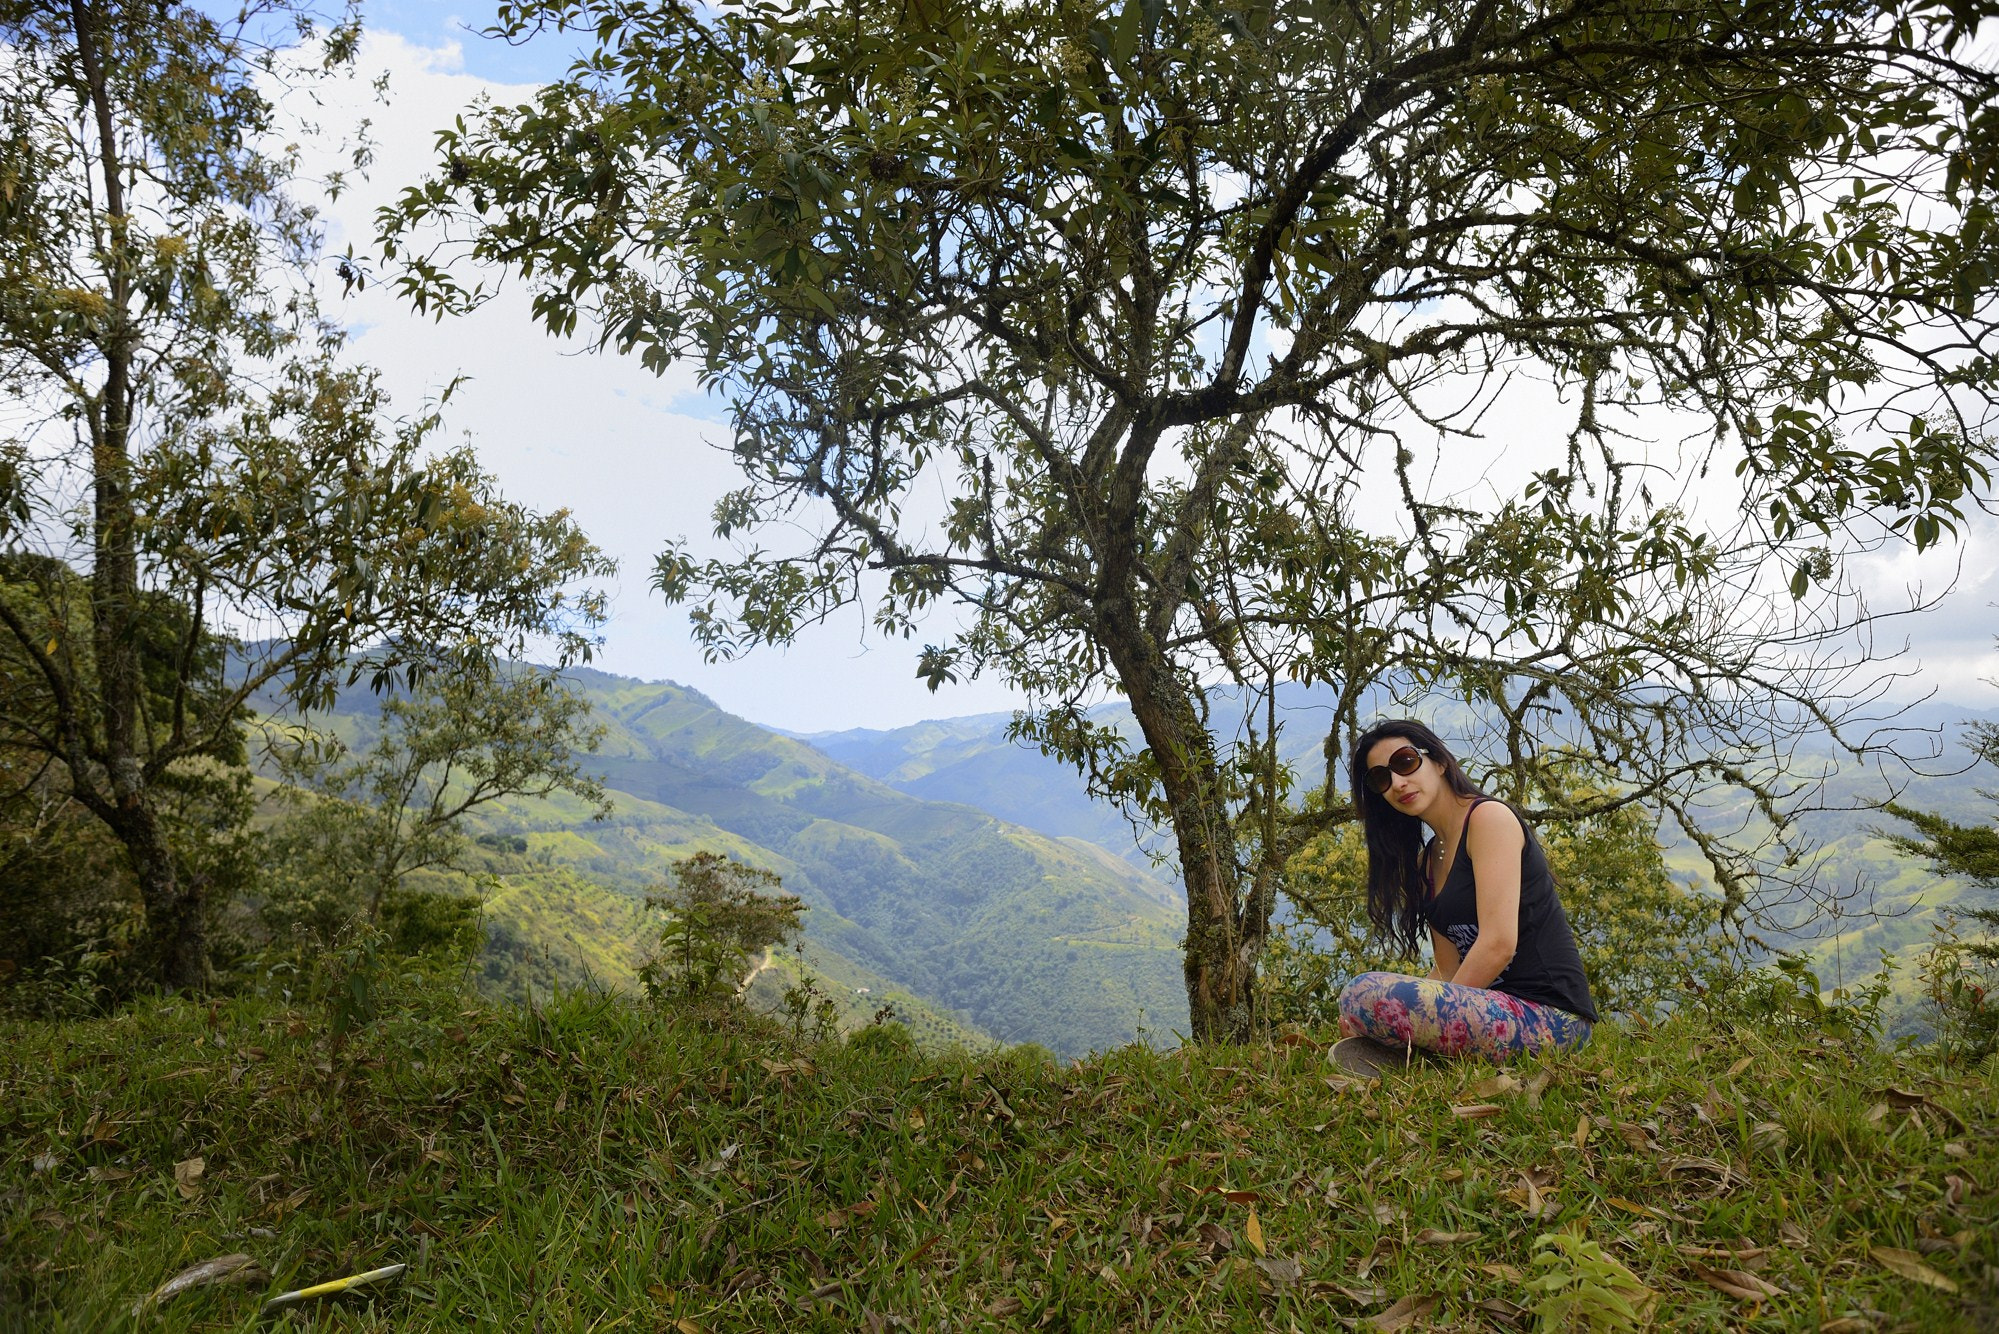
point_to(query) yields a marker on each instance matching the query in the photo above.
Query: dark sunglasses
(1405, 761)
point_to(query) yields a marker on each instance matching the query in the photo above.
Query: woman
(1507, 978)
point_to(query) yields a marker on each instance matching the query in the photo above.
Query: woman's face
(1412, 793)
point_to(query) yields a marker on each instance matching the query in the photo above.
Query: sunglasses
(1403, 762)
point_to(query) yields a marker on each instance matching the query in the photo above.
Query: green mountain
(1884, 901)
(981, 926)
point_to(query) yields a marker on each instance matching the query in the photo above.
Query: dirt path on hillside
(770, 957)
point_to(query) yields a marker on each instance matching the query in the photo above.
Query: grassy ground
(592, 1167)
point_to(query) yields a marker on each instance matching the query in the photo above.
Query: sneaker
(1370, 1059)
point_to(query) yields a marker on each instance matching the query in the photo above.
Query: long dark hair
(1395, 838)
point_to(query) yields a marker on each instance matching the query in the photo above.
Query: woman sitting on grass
(1507, 978)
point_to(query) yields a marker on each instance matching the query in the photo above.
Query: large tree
(181, 427)
(1158, 336)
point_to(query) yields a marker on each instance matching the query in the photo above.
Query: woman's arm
(1495, 864)
(1446, 954)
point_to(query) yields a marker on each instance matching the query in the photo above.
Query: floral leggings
(1452, 1020)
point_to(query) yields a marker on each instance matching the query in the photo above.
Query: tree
(362, 820)
(186, 429)
(1962, 963)
(717, 919)
(1191, 313)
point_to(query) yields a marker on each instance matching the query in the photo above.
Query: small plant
(1786, 996)
(811, 1012)
(1583, 1288)
(1959, 978)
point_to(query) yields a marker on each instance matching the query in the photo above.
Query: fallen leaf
(1793, 1234)
(1216, 1239)
(1956, 1149)
(1383, 1248)
(1282, 1270)
(1910, 1265)
(686, 1326)
(1699, 1166)
(1403, 1314)
(1511, 1313)
(1955, 1188)
(1847, 1324)
(1582, 1132)
(1504, 1273)
(1001, 1307)
(1253, 1232)
(1738, 1283)
(1769, 1136)
(1429, 1236)
(1345, 1084)
(1631, 1207)
(1743, 1254)
(222, 1269)
(54, 1218)
(1493, 1087)
(1537, 1084)
(1385, 1213)
(916, 1121)
(187, 1175)
(1473, 1111)
(1635, 1136)
(1298, 1040)
(111, 1174)
(1739, 1067)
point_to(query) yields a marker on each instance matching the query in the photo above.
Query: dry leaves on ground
(1738, 1283)
(1403, 1314)
(1910, 1266)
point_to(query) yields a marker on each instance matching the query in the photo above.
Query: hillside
(996, 929)
(592, 1165)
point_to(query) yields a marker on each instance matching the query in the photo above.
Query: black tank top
(1546, 968)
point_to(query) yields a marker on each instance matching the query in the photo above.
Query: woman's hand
(1495, 863)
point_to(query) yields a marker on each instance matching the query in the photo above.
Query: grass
(590, 1166)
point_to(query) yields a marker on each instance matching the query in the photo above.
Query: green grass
(591, 1166)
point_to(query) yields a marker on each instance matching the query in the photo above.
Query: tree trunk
(176, 942)
(1224, 936)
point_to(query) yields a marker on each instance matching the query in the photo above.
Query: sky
(634, 456)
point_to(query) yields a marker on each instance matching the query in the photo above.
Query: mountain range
(966, 880)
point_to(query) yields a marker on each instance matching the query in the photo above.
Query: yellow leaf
(1739, 1067)
(1473, 1111)
(1910, 1265)
(1254, 1231)
(1582, 1132)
